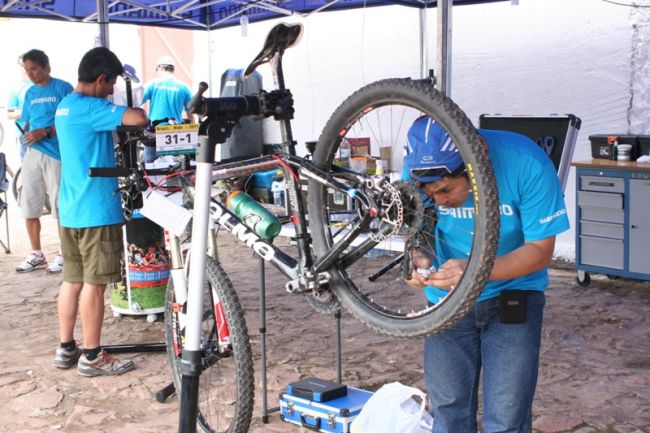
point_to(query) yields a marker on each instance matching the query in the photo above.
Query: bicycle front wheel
(226, 385)
(371, 284)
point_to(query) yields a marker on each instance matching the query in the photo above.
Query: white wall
(585, 57)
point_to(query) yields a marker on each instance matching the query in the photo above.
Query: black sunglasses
(437, 171)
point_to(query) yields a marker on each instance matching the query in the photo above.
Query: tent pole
(102, 18)
(424, 44)
(443, 52)
(210, 59)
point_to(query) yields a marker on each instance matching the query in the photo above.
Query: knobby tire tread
(218, 279)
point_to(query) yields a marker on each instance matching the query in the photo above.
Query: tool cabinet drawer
(608, 253)
(600, 199)
(604, 184)
(604, 230)
(588, 213)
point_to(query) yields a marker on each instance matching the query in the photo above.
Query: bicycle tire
(223, 408)
(418, 97)
(17, 186)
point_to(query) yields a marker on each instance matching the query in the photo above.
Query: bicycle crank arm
(304, 284)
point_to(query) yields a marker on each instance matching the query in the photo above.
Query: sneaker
(103, 365)
(66, 358)
(56, 265)
(33, 261)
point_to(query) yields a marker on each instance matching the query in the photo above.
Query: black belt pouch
(512, 306)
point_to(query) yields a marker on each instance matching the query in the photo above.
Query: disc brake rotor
(402, 211)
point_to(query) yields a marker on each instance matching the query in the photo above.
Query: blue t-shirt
(39, 108)
(531, 205)
(167, 98)
(17, 97)
(84, 125)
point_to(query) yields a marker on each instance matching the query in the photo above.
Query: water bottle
(254, 215)
(345, 152)
(277, 188)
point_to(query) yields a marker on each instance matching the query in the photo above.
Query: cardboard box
(360, 146)
(386, 153)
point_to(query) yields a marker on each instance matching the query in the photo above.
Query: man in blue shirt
(91, 215)
(15, 106)
(504, 346)
(41, 169)
(167, 97)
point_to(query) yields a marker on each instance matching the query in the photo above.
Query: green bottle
(254, 215)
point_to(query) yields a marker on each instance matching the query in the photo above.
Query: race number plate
(177, 139)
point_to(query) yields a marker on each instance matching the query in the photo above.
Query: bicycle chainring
(324, 302)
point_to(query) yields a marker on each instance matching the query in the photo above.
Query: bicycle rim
(226, 385)
(372, 288)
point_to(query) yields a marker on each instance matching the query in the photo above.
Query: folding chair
(4, 186)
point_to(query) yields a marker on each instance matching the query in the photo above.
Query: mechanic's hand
(448, 275)
(420, 261)
(34, 136)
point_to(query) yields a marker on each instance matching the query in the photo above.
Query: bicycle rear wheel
(373, 288)
(226, 384)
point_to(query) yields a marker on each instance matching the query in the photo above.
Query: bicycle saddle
(281, 37)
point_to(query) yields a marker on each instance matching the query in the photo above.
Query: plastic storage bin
(601, 144)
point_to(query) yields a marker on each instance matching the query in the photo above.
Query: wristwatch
(48, 131)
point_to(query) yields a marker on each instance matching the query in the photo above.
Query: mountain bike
(331, 263)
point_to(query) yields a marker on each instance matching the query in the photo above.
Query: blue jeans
(509, 357)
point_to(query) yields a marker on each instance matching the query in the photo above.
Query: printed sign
(177, 139)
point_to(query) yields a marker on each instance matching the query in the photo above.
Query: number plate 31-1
(177, 139)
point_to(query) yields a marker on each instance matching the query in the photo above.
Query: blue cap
(431, 154)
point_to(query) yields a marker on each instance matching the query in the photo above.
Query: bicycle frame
(302, 272)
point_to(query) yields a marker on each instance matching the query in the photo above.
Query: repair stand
(168, 390)
(262, 289)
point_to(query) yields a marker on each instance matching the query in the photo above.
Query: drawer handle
(595, 183)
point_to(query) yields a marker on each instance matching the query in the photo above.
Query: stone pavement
(594, 378)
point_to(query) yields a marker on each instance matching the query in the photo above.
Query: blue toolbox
(334, 416)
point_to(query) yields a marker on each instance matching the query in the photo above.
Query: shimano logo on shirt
(171, 89)
(550, 218)
(468, 212)
(43, 100)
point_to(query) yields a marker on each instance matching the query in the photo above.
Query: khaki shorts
(92, 255)
(40, 174)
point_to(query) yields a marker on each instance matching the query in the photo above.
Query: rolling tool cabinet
(612, 219)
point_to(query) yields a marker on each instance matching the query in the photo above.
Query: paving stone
(593, 376)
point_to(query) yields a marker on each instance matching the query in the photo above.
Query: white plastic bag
(392, 410)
